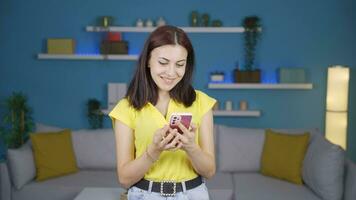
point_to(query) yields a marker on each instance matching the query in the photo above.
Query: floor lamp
(336, 105)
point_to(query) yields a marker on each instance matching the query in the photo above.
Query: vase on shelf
(194, 19)
(247, 76)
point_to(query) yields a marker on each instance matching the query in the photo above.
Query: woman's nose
(171, 70)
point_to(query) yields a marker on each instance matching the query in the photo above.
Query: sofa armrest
(5, 183)
(350, 180)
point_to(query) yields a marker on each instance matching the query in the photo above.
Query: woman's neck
(163, 102)
(163, 96)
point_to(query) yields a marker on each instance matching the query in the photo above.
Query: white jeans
(198, 193)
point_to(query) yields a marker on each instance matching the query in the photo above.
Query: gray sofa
(328, 175)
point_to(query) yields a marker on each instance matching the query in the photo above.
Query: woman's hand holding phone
(187, 138)
(176, 135)
(182, 122)
(165, 139)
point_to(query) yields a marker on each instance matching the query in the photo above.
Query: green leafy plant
(95, 115)
(18, 121)
(252, 34)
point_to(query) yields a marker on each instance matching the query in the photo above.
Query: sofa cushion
(53, 153)
(95, 149)
(239, 149)
(221, 186)
(67, 187)
(256, 186)
(323, 169)
(21, 162)
(21, 165)
(283, 155)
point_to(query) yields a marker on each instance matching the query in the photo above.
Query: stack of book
(113, 44)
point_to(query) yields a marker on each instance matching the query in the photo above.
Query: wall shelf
(86, 57)
(150, 29)
(287, 86)
(237, 113)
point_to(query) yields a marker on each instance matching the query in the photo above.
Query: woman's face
(167, 66)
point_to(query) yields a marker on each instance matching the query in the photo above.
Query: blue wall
(308, 34)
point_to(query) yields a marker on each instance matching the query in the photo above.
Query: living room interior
(54, 53)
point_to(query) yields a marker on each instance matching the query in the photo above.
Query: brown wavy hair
(143, 89)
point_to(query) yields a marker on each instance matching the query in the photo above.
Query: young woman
(153, 160)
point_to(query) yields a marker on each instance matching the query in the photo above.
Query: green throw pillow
(283, 155)
(53, 154)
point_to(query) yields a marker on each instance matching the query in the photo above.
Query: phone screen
(184, 118)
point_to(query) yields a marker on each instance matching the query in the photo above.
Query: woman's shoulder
(123, 105)
(124, 101)
(203, 102)
(201, 95)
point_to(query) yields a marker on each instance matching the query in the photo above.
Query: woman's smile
(167, 80)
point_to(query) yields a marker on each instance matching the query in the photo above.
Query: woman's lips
(167, 80)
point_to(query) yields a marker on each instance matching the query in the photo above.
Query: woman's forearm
(203, 162)
(133, 171)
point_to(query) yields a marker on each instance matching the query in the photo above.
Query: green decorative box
(291, 75)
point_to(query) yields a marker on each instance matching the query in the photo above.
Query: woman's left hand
(188, 137)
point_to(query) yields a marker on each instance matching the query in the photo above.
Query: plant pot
(253, 76)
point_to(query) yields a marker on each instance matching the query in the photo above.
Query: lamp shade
(336, 128)
(337, 88)
(336, 105)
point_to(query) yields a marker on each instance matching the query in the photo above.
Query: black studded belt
(169, 188)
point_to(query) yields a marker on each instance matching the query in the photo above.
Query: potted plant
(18, 121)
(250, 74)
(95, 115)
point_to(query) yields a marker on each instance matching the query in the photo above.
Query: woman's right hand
(164, 139)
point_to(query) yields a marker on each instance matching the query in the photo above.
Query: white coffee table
(94, 193)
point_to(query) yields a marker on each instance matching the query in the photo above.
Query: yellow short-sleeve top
(174, 166)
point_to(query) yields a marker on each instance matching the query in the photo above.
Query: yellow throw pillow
(283, 155)
(54, 154)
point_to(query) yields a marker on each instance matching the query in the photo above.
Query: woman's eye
(180, 65)
(162, 63)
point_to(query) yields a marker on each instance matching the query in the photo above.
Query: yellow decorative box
(60, 46)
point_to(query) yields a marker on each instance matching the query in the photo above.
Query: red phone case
(184, 118)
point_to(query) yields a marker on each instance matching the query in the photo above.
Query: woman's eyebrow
(164, 58)
(168, 59)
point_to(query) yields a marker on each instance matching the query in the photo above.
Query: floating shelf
(150, 29)
(237, 113)
(86, 57)
(288, 86)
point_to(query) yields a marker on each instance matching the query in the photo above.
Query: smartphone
(184, 118)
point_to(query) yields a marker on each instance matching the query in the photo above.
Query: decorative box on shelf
(60, 46)
(217, 76)
(114, 47)
(291, 75)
